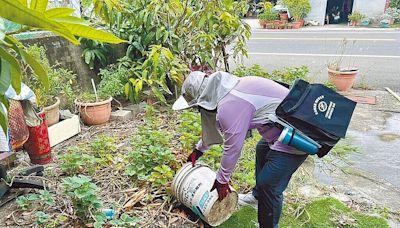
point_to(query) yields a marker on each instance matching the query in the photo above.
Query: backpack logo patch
(321, 106)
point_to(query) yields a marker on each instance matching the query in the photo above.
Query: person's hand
(196, 154)
(222, 189)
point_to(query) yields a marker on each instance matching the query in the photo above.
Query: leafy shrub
(356, 16)
(113, 80)
(189, 129)
(124, 221)
(61, 80)
(288, 75)
(395, 4)
(150, 150)
(74, 161)
(42, 198)
(95, 52)
(104, 147)
(161, 176)
(83, 195)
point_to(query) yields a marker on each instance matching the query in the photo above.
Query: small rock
(65, 114)
(136, 108)
(121, 115)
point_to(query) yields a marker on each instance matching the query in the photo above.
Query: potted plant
(94, 109)
(342, 75)
(266, 14)
(299, 9)
(267, 18)
(60, 86)
(355, 17)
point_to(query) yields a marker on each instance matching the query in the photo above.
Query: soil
(221, 211)
(152, 209)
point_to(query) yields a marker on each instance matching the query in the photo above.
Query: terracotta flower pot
(263, 23)
(95, 113)
(343, 80)
(284, 16)
(296, 25)
(354, 23)
(53, 113)
(301, 22)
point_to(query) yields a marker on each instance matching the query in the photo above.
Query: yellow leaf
(91, 33)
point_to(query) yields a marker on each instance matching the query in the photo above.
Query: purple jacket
(237, 113)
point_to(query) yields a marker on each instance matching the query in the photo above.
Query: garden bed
(101, 153)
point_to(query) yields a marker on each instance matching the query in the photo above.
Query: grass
(325, 212)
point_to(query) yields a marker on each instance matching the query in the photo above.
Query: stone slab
(64, 130)
(121, 115)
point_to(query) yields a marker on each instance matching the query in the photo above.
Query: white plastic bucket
(192, 185)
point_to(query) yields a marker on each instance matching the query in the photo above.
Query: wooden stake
(393, 93)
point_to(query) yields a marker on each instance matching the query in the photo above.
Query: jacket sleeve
(234, 120)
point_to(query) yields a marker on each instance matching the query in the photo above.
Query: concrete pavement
(376, 51)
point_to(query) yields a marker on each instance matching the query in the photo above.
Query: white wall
(318, 10)
(371, 8)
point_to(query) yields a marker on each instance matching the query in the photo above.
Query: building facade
(336, 11)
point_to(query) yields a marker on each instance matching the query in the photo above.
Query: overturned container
(192, 185)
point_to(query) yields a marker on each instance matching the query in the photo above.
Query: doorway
(337, 11)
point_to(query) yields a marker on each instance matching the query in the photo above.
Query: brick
(121, 115)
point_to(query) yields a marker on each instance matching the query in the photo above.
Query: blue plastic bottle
(291, 138)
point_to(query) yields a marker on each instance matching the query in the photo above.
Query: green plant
(330, 85)
(104, 147)
(167, 37)
(189, 129)
(150, 150)
(83, 195)
(299, 9)
(42, 198)
(267, 13)
(32, 17)
(95, 52)
(356, 16)
(160, 63)
(91, 98)
(75, 161)
(212, 157)
(41, 217)
(288, 75)
(268, 16)
(124, 221)
(61, 80)
(113, 80)
(395, 4)
(254, 70)
(161, 176)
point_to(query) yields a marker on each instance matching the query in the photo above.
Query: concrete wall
(371, 8)
(61, 51)
(318, 10)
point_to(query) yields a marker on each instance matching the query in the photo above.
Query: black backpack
(318, 112)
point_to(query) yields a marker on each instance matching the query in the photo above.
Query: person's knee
(264, 184)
